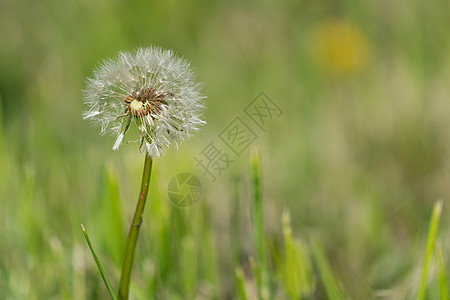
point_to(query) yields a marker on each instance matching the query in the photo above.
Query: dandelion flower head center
(144, 102)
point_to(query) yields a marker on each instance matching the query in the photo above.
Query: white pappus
(151, 88)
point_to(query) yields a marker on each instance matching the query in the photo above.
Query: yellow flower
(340, 48)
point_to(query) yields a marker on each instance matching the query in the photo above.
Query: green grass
(240, 284)
(358, 158)
(431, 240)
(296, 273)
(333, 292)
(260, 271)
(443, 291)
(99, 265)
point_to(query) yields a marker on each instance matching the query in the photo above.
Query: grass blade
(258, 227)
(331, 288)
(189, 268)
(432, 233)
(442, 272)
(99, 266)
(111, 242)
(240, 284)
(295, 265)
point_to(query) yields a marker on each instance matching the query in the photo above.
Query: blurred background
(358, 156)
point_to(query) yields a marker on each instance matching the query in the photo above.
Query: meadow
(351, 155)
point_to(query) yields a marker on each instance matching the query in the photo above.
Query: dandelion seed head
(149, 88)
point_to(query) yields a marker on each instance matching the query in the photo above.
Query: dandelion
(150, 88)
(340, 48)
(156, 91)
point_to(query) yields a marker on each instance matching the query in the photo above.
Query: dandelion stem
(134, 231)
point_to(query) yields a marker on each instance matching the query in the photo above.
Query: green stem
(134, 231)
(263, 284)
(432, 233)
(99, 265)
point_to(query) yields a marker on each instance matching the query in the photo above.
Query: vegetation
(349, 175)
